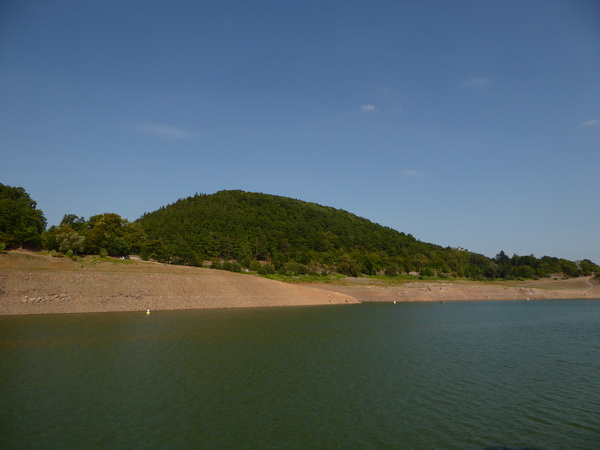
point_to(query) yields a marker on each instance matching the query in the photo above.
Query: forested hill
(244, 226)
(277, 233)
(234, 230)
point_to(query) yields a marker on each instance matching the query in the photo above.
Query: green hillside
(234, 230)
(277, 233)
(244, 227)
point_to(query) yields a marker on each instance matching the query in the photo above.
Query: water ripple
(494, 375)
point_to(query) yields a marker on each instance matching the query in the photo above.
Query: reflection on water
(454, 375)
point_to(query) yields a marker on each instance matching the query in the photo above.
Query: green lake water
(461, 375)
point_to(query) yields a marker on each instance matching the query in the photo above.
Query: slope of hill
(268, 233)
(32, 283)
(246, 227)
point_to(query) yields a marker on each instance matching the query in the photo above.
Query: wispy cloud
(590, 123)
(390, 98)
(412, 173)
(477, 83)
(368, 108)
(163, 131)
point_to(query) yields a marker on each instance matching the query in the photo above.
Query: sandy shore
(32, 283)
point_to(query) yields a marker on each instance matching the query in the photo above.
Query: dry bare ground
(31, 283)
(376, 291)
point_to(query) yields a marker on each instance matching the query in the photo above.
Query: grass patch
(97, 259)
(304, 278)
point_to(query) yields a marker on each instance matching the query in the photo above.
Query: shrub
(232, 266)
(266, 269)
(295, 268)
(254, 266)
(427, 272)
(392, 270)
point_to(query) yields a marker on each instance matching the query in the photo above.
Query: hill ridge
(266, 233)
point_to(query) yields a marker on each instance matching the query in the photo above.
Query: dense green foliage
(104, 234)
(271, 233)
(21, 224)
(236, 230)
(241, 226)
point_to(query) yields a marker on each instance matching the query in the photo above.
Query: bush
(350, 268)
(266, 269)
(232, 266)
(427, 272)
(254, 266)
(392, 270)
(2, 246)
(295, 268)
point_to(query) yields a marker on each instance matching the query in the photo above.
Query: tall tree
(105, 231)
(20, 222)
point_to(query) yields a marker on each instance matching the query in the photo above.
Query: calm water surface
(457, 375)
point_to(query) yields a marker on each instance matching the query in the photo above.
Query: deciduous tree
(20, 222)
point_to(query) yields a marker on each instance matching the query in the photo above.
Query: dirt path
(589, 283)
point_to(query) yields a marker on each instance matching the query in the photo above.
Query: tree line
(236, 230)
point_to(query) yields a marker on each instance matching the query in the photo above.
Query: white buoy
(147, 312)
(394, 302)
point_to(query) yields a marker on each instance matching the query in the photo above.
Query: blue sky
(464, 123)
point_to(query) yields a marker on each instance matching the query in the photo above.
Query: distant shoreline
(442, 291)
(32, 283)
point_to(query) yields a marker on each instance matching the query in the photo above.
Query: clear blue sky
(464, 123)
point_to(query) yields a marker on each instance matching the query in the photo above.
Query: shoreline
(32, 283)
(449, 291)
(37, 284)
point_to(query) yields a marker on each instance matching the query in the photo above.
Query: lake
(477, 375)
